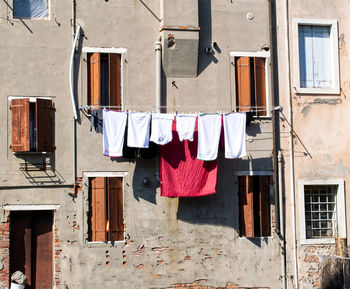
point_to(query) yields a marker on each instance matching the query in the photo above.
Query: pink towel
(182, 174)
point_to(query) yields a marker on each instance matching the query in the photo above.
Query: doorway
(31, 248)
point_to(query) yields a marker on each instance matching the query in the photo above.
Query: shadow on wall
(144, 183)
(205, 36)
(40, 169)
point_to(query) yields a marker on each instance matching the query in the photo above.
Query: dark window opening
(254, 206)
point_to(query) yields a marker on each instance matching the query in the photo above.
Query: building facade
(313, 88)
(60, 61)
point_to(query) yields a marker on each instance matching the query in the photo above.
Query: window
(251, 85)
(254, 206)
(104, 79)
(316, 56)
(30, 9)
(105, 220)
(32, 125)
(322, 209)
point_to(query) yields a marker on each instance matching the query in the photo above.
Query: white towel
(234, 131)
(185, 126)
(162, 128)
(114, 123)
(138, 129)
(209, 128)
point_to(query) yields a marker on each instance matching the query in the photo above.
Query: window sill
(300, 90)
(100, 244)
(323, 241)
(31, 153)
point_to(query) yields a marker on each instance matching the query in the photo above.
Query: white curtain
(30, 9)
(315, 56)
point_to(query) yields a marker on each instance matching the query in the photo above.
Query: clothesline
(127, 107)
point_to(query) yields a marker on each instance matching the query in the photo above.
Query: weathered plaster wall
(319, 122)
(169, 241)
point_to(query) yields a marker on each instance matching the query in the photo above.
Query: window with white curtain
(30, 9)
(316, 61)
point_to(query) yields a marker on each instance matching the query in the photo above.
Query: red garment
(181, 173)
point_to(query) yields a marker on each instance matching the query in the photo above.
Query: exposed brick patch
(200, 284)
(309, 263)
(4, 253)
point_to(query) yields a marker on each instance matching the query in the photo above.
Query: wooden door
(31, 247)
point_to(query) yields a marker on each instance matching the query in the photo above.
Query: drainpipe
(158, 49)
(291, 149)
(71, 88)
(281, 219)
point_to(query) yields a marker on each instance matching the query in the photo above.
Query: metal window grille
(320, 211)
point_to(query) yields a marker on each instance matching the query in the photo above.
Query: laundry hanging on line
(114, 123)
(209, 131)
(185, 125)
(138, 129)
(161, 132)
(234, 132)
(181, 173)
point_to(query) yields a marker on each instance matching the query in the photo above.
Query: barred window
(320, 211)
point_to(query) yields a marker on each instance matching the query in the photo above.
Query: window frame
(33, 99)
(267, 174)
(122, 52)
(340, 210)
(47, 18)
(260, 54)
(86, 177)
(333, 24)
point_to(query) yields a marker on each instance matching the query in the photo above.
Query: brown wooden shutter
(20, 125)
(42, 249)
(260, 87)
(264, 204)
(114, 79)
(94, 78)
(116, 220)
(21, 244)
(246, 206)
(243, 89)
(44, 125)
(98, 210)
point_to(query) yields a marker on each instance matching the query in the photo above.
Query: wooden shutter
(97, 215)
(44, 125)
(94, 78)
(20, 125)
(42, 250)
(264, 205)
(260, 84)
(246, 206)
(115, 197)
(21, 244)
(243, 89)
(114, 79)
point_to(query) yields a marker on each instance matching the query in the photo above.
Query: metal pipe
(71, 70)
(281, 219)
(291, 148)
(158, 49)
